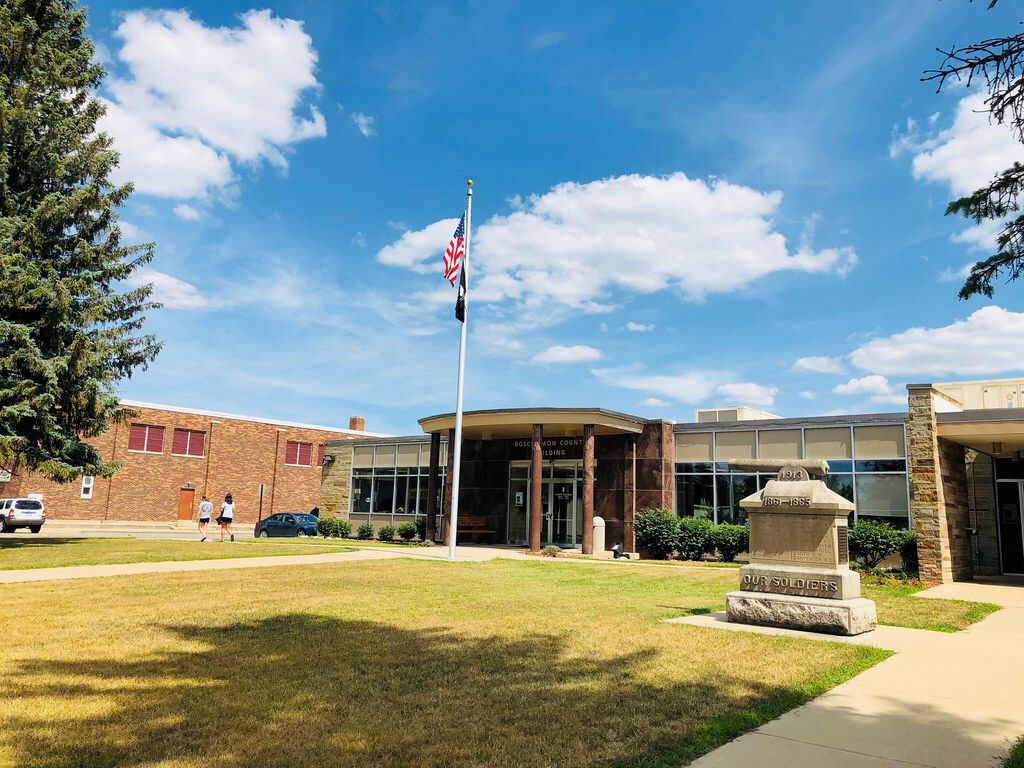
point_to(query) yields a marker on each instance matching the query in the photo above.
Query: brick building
(172, 456)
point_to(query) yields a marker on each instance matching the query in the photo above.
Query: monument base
(812, 614)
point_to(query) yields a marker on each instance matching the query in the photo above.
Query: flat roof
(793, 423)
(237, 417)
(518, 422)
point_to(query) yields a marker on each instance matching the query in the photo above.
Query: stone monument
(799, 573)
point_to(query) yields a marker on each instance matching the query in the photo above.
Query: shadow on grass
(25, 543)
(306, 690)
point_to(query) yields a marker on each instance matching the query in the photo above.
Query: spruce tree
(69, 329)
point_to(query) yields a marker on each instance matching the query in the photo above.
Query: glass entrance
(561, 516)
(1011, 535)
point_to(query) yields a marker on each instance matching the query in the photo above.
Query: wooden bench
(476, 524)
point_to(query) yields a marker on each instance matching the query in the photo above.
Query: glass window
(405, 495)
(734, 445)
(384, 456)
(362, 456)
(87, 484)
(145, 438)
(841, 483)
(780, 444)
(876, 465)
(879, 442)
(762, 480)
(383, 494)
(361, 489)
(732, 489)
(298, 454)
(840, 465)
(188, 442)
(883, 497)
(828, 443)
(695, 496)
(409, 455)
(689, 467)
(693, 446)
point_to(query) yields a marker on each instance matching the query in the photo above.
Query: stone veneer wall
(938, 480)
(981, 494)
(336, 482)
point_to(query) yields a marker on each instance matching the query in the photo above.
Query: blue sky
(677, 205)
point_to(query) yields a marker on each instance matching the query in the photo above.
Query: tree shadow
(27, 543)
(306, 690)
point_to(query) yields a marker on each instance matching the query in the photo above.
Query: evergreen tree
(998, 63)
(68, 333)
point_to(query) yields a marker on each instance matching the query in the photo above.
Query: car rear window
(28, 504)
(305, 518)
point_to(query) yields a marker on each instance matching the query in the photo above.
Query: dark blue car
(286, 524)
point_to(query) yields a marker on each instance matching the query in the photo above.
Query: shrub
(551, 551)
(694, 539)
(730, 540)
(908, 552)
(365, 531)
(421, 528)
(871, 542)
(407, 530)
(386, 533)
(657, 531)
(327, 526)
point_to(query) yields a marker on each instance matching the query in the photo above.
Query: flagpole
(457, 458)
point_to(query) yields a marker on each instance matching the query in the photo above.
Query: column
(629, 497)
(432, 478)
(446, 511)
(536, 485)
(588, 489)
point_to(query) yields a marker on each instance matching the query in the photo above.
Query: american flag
(456, 250)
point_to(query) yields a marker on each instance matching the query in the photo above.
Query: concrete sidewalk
(951, 702)
(465, 554)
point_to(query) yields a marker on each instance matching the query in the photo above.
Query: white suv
(21, 513)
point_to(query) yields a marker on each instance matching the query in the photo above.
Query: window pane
(409, 455)
(690, 467)
(137, 437)
(179, 443)
(693, 447)
(384, 456)
(828, 443)
(839, 466)
(402, 502)
(877, 465)
(291, 452)
(841, 484)
(695, 496)
(383, 494)
(883, 497)
(780, 444)
(155, 439)
(305, 454)
(197, 444)
(734, 445)
(731, 490)
(879, 442)
(361, 495)
(362, 456)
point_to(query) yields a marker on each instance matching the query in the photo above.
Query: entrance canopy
(995, 431)
(518, 422)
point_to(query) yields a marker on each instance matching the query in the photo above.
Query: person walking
(205, 510)
(227, 514)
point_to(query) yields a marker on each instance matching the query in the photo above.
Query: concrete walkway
(465, 554)
(950, 702)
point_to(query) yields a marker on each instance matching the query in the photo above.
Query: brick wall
(981, 493)
(240, 454)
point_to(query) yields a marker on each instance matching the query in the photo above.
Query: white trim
(256, 419)
(87, 489)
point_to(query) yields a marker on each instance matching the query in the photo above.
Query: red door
(186, 502)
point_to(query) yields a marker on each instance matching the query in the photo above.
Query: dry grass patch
(19, 553)
(390, 663)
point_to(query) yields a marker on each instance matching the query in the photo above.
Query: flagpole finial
(469, 182)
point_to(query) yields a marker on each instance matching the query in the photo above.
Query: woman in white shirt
(227, 514)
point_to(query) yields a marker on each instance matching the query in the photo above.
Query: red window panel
(291, 453)
(305, 454)
(137, 437)
(298, 454)
(320, 455)
(197, 444)
(179, 443)
(154, 439)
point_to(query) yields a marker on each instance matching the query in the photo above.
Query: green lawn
(18, 553)
(394, 663)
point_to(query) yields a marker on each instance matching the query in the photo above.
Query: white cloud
(364, 123)
(820, 365)
(964, 156)
(578, 353)
(807, 394)
(639, 327)
(197, 97)
(574, 245)
(980, 237)
(653, 402)
(957, 275)
(128, 230)
(170, 291)
(865, 385)
(746, 393)
(690, 388)
(187, 212)
(989, 341)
